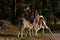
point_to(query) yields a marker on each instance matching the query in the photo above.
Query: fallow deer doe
(40, 23)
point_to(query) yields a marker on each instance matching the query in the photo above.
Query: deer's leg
(42, 27)
(36, 32)
(22, 32)
(43, 31)
(30, 32)
(18, 34)
(50, 31)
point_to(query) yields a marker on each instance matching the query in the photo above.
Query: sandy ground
(56, 36)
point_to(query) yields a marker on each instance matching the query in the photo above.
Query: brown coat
(31, 15)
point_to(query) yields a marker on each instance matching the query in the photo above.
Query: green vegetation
(48, 8)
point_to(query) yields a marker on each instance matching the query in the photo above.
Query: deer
(39, 23)
(25, 24)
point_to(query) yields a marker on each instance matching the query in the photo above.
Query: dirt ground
(56, 36)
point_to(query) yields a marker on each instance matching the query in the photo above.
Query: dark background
(12, 10)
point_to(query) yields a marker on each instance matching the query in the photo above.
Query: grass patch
(11, 34)
(40, 37)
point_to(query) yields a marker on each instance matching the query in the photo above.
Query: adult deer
(39, 23)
